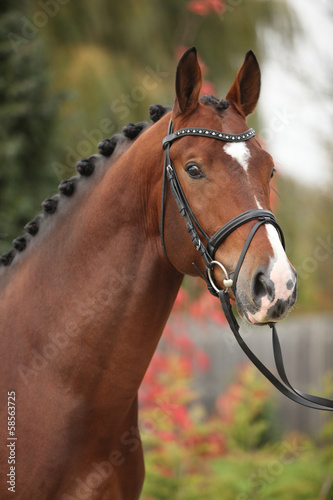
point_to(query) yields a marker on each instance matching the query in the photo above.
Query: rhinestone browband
(206, 132)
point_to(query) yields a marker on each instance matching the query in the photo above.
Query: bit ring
(227, 282)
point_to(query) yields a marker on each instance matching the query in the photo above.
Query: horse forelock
(218, 104)
(91, 171)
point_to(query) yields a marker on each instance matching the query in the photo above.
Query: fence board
(307, 344)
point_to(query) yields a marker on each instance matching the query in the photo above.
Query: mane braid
(20, 243)
(218, 104)
(86, 167)
(68, 186)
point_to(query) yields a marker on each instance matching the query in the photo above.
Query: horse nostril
(262, 286)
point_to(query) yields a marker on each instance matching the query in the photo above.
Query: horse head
(221, 179)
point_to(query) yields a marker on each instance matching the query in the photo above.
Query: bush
(232, 454)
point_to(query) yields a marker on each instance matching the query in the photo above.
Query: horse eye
(273, 172)
(194, 172)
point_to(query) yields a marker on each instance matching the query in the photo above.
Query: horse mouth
(264, 313)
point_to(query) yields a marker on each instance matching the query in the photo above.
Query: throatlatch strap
(299, 397)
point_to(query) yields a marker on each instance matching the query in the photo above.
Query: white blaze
(280, 272)
(238, 151)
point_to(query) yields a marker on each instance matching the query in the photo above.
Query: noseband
(208, 252)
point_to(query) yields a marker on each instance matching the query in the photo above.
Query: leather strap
(288, 390)
(207, 132)
(262, 220)
(188, 215)
(192, 225)
(163, 199)
(254, 214)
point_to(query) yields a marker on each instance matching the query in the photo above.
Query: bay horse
(82, 308)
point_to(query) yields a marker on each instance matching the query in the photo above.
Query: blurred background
(73, 72)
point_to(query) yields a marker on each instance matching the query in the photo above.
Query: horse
(86, 292)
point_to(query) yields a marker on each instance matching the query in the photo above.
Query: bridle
(208, 254)
(193, 226)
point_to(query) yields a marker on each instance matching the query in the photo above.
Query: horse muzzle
(269, 297)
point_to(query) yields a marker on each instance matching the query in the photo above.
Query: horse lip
(246, 309)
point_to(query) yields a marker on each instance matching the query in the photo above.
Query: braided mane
(109, 148)
(94, 166)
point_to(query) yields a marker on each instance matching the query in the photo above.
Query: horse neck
(101, 279)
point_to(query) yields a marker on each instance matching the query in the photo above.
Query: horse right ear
(188, 83)
(245, 90)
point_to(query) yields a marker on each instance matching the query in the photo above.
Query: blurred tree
(26, 127)
(149, 31)
(103, 52)
(112, 60)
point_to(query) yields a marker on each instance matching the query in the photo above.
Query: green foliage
(289, 469)
(101, 51)
(270, 475)
(247, 411)
(233, 454)
(27, 122)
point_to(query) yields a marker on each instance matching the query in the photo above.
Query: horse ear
(245, 90)
(188, 83)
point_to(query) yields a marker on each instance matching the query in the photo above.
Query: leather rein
(208, 254)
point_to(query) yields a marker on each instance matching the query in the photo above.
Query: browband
(207, 132)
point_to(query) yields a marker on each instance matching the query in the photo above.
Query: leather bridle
(208, 254)
(193, 227)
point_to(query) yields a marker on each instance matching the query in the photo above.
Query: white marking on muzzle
(240, 152)
(280, 273)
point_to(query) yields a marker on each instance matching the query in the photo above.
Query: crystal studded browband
(206, 132)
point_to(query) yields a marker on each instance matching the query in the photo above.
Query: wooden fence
(307, 344)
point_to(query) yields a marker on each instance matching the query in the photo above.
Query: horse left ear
(245, 90)
(188, 83)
